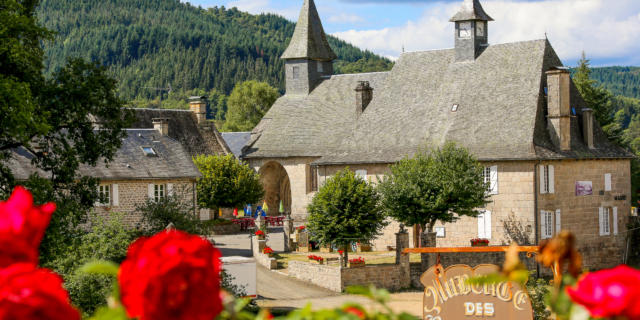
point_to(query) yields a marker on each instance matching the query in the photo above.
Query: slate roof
(309, 40)
(172, 161)
(500, 116)
(236, 141)
(183, 127)
(471, 10)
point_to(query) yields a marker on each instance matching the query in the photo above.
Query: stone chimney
(161, 125)
(198, 105)
(559, 106)
(364, 95)
(587, 127)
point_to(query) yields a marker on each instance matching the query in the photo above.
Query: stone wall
(391, 277)
(133, 193)
(321, 275)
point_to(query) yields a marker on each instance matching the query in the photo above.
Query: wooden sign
(447, 295)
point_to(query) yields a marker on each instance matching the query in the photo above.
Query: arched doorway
(277, 187)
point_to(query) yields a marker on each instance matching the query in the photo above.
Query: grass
(371, 258)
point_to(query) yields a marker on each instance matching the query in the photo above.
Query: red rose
(27, 292)
(609, 293)
(22, 226)
(172, 275)
(355, 311)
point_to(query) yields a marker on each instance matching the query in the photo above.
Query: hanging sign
(447, 295)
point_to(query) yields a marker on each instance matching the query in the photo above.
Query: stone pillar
(288, 231)
(427, 240)
(259, 222)
(402, 242)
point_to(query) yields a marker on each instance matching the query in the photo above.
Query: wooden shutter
(615, 220)
(543, 225)
(552, 187)
(601, 220)
(151, 193)
(98, 202)
(115, 195)
(487, 224)
(542, 189)
(169, 189)
(607, 182)
(494, 179)
(481, 226)
(558, 223)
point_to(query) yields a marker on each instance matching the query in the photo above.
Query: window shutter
(115, 195)
(97, 203)
(543, 225)
(615, 220)
(552, 187)
(494, 180)
(558, 223)
(169, 189)
(481, 226)
(601, 219)
(487, 224)
(607, 182)
(151, 192)
(542, 190)
(362, 174)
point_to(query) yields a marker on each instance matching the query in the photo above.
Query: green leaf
(101, 267)
(106, 313)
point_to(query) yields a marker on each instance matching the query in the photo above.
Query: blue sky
(607, 30)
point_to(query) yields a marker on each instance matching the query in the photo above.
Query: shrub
(157, 215)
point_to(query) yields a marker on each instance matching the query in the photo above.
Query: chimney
(198, 105)
(587, 127)
(161, 125)
(364, 95)
(559, 106)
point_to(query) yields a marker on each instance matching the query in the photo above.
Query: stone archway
(277, 187)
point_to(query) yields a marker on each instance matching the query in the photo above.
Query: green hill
(149, 44)
(622, 81)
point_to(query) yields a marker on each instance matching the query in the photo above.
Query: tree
(226, 183)
(435, 185)
(52, 119)
(345, 210)
(248, 103)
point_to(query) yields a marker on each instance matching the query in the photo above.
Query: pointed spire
(309, 40)
(471, 10)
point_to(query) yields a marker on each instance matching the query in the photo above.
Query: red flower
(267, 250)
(300, 228)
(355, 311)
(22, 226)
(172, 275)
(259, 233)
(609, 293)
(27, 292)
(340, 252)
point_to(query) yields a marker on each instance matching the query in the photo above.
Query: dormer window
(295, 72)
(454, 108)
(149, 152)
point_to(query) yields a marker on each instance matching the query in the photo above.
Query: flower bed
(316, 259)
(260, 234)
(479, 242)
(356, 263)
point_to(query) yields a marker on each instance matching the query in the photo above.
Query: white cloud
(345, 18)
(604, 29)
(265, 6)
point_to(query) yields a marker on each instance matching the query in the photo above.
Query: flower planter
(482, 244)
(316, 261)
(262, 237)
(356, 264)
(364, 248)
(326, 249)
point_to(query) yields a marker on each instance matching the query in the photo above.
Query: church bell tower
(472, 33)
(309, 56)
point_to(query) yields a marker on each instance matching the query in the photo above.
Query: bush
(157, 215)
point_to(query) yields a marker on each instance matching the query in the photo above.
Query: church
(513, 106)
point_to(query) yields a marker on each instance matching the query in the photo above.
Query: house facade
(549, 164)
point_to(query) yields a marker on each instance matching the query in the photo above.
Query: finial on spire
(471, 10)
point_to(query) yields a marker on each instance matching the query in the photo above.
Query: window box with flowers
(268, 251)
(479, 242)
(260, 234)
(316, 259)
(301, 229)
(356, 263)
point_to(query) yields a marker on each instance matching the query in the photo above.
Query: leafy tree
(248, 103)
(435, 185)
(52, 119)
(226, 183)
(157, 215)
(345, 210)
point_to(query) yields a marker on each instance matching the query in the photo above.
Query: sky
(606, 30)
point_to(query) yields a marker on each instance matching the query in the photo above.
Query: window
(454, 108)
(490, 175)
(547, 184)
(320, 67)
(159, 192)
(362, 174)
(484, 225)
(313, 178)
(295, 72)
(607, 182)
(605, 220)
(149, 152)
(546, 224)
(104, 192)
(440, 232)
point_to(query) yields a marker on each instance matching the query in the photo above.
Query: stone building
(513, 105)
